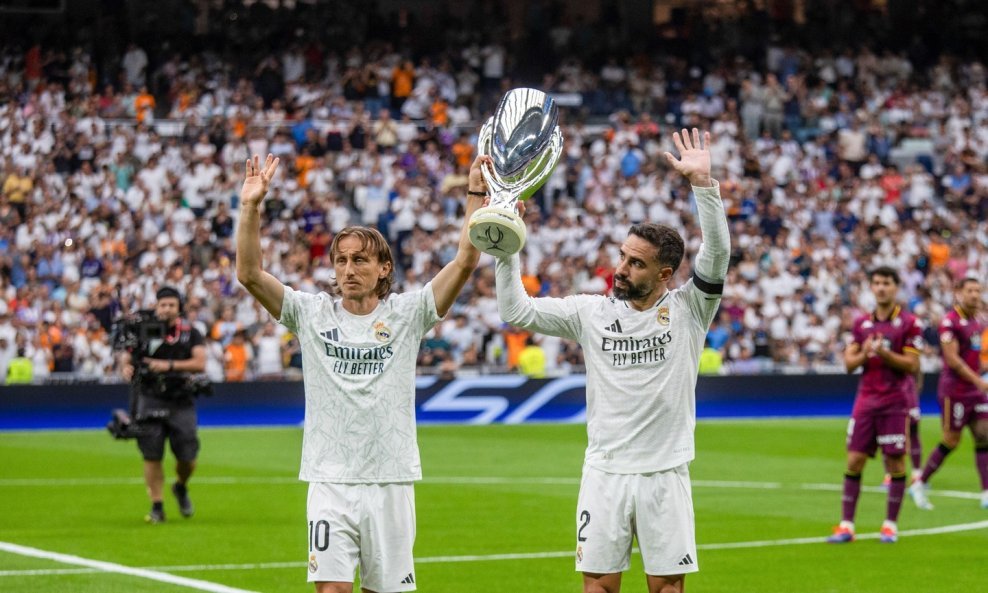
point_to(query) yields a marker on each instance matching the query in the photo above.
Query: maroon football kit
(880, 417)
(960, 401)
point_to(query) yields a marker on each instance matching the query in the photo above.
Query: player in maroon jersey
(886, 345)
(961, 391)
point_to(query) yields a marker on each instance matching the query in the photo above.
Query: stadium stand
(120, 169)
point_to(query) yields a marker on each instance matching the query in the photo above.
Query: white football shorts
(657, 508)
(367, 525)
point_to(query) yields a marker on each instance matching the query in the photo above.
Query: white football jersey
(641, 372)
(359, 373)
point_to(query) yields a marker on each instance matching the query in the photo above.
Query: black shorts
(179, 427)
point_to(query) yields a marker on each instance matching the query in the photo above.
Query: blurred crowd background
(845, 135)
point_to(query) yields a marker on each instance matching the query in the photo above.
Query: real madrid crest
(663, 316)
(382, 332)
(313, 565)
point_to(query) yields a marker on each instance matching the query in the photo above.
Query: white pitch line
(730, 484)
(819, 540)
(487, 557)
(140, 481)
(478, 557)
(465, 480)
(498, 480)
(101, 566)
(14, 482)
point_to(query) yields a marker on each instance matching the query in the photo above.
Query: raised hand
(257, 179)
(694, 161)
(476, 181)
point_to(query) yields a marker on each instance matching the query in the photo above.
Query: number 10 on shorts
(318, 536)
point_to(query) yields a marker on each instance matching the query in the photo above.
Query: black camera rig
(136, 334)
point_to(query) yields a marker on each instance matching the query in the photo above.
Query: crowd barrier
(508, 399)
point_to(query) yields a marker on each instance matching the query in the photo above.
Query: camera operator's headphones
(166, 292)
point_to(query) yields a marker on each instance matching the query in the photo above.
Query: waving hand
(694, 157)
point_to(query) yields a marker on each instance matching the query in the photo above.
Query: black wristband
(482, 194)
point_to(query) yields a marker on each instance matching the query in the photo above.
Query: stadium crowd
(829, 164)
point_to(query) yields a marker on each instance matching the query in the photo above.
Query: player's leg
(954, 417)
(601, 583)
(387, 536)
(861, 444)
(893, 438)
(604, 534)
(332, 512)
(184, 439)
(334, 587)
(889, 533)
(666, 584)
(665, 527)
(915, 445)
(151, 442)
(980, 431)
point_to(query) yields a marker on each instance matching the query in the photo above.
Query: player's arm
(710, 265)
(952, 358)
(854, 356)
(448, 283)
(906, 361)
(267, 289)
(550, 316)
(860, 348)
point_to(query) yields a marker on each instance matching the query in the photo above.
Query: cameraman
(165, 404)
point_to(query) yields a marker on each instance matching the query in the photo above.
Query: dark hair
(667, 241)
(963, 282)
(884, 272)
(372, 241)
(169, 292)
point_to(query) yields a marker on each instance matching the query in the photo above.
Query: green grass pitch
(495, 513)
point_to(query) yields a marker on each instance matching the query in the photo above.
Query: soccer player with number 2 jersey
(642, 349)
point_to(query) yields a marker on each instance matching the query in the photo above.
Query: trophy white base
(497, 231)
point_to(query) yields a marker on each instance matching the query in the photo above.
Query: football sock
(849, 502)
(158, 506)
(981, 459)
(915, 447)
(896, 489)
(933, 463)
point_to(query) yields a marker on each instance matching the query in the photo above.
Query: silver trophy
(524, 142)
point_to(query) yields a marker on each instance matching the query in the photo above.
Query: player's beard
(631, 291)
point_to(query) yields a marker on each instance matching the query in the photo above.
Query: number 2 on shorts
(585, 518)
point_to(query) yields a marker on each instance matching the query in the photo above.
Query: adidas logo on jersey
(333, 335)
(686, 561)
(409, 580)
(614, 327)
